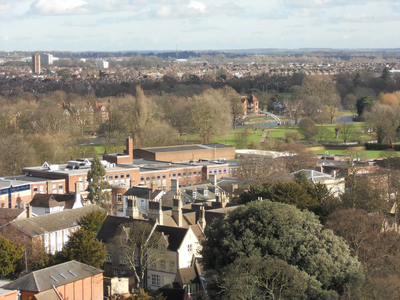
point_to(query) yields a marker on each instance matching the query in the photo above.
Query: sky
(120, 25)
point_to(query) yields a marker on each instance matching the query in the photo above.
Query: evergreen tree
(386, 74)
(92, 221)
(85, 248)
(10, 257)
(96, 182)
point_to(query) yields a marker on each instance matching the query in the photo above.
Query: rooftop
(185, 148)
(58, 275)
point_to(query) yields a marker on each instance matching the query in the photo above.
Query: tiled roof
(45, 279)
(53, 222)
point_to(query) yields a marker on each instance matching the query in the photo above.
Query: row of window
(54, 190)
(217, 171)
(118, 177)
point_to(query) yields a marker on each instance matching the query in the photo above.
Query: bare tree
(137, 245)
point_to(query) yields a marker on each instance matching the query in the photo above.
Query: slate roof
(175, 235)
(142, 192)
(42, 280)
(111, 224)
(53, 222)
(51, 200)
(9, 214)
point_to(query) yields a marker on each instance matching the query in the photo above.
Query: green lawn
(365, 154)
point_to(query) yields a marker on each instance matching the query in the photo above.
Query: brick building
(71, 280)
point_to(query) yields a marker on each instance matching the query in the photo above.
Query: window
(122, 177)
(155, 279)
(190, 174)
(172, 266)
(142, 179)
(179, 175)
(199, 172)
(215, 171)
(210, 172)
(60, 189)
(158, 177)
(190, 248)
(123, 271)
(116, 177)
(173, 175)
(224, 171)
(109, 257)
(147, 179)
(194, 173)
(164, 177)
(162, 265)
(184, 173)
(80, 179)
(115, 272)
(119, 198)
(122, 260)
(162, 248)
(128, 176)
(110, 178)
(136, 261)
(42, 189)
(220, 171)
(35, 189)
(192, 288)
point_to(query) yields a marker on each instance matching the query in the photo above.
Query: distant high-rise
(36, 63)
(46, 58)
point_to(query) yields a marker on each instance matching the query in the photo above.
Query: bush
(292, 135)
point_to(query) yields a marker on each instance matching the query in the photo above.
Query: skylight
(55, 279)
(63, 276)
(72, 273)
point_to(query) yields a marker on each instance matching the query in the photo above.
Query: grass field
(365, 154)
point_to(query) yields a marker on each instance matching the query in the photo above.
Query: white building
(101, 64)
(46, 58)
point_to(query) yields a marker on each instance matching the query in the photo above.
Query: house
(52, 230)
(71, 280)
(335, 185)
(143, 196)
(250, 105)
(42, 204)
(177, 245)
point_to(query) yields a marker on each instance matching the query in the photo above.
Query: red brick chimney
(129, 147)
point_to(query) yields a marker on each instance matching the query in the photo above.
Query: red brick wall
(86, 289)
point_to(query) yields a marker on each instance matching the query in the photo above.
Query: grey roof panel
(40, 280)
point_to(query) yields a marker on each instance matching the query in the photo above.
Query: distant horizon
(218, 50)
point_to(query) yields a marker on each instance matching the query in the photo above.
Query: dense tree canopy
(269, 229)
(10, 256)
(96, 182)
(82, 246)
(93, 220)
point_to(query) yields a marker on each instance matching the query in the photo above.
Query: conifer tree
(96, 182)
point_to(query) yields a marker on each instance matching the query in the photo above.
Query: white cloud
(57, 7)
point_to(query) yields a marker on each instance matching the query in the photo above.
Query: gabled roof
(45, 279)
(175, 235)
(52, 200)
(111, 224)
(9, 214)
(52, 222)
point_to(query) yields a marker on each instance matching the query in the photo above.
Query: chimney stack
(131, 207)
(131, 181)
(77, 188)
(202, 218)
(155, 211)
(48, 187)
(28, 211)
(174, 185)
(177, 211)
(213, 179)
(129, 147)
